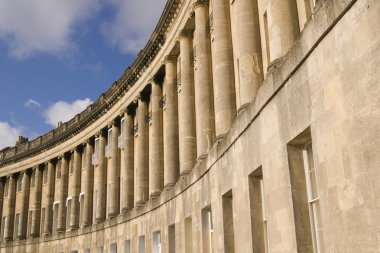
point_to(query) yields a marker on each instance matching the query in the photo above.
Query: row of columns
(180, 129)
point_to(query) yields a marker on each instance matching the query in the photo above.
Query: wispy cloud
(8, 134)
(132, 24)
(32, 104)
(42, 26)
(64, 111)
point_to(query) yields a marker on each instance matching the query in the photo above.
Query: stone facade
(242, 126)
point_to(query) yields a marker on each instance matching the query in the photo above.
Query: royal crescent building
(241, 126)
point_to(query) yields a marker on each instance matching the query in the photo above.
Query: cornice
(105, 101)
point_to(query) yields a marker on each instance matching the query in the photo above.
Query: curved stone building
(242, 126)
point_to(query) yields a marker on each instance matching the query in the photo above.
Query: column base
(243, 107)
(126, 210)
(184, 173)
(168, 186)
(155, 194)
(99, 220)
(73, 227)
(112, 215)
(202, 157)
(220, 137)
(45, 234)
(140, 203)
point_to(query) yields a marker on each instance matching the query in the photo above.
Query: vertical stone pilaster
(2, 182)
(63, 190)
(170, 123)
(76, 186)
(8, 231)
(114, 207)
(223, 68)
(36, 206)
(127, 171)
(89, 184)
(48, 224)
(142, 161)
(204, 105)
(21, 230)
(186, 106)
(249, 50)
(101, 180)
(156, 146)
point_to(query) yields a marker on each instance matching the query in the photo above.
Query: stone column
(48, 224)
(8, 231)
(127, 169)
(223, 70)
(102, 179)
(76, 185)
(63, 188)
(156, 146)
(89, 184)
(249, 50)
(36, 206)
(186, 106)
(170, 122)
(21, 230)
(204, 107)
(283, 27)
(142, 159)
(113, 209)
(2, 182)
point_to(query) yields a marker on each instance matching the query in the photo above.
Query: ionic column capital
(170, 59)
(199, 3)
(185, 33)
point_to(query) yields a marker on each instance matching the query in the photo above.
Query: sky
(57, 57)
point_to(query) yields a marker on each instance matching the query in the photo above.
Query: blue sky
(56, 57)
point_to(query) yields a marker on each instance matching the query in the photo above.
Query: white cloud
(64, 111)
(45, 26)
(32, 104)
(133, 23)
(8, 135)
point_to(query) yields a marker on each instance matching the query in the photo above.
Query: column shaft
(283, 27)
(8, 231)
(156, 148)
(63, 188)
(170, 123)
(142, 162)
(223, 70)
(114, 208)
(101, 180)
(21, 231)
(204, 107)
(249, 50)
(76, 185)
(2, 182)
(127, 170)
(36, 206)
(89, 186)
(186, 115)
(48, 224)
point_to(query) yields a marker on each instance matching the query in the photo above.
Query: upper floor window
(59, 172)
(6, 189)
(20, 182)
(122, 127)
(33, 180)
(109, 138)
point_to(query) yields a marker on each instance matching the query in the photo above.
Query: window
(6, 186)
(81, 209)
(33, 180)
(312, 196)
(207, 230)
(303, 175)
(259, 220)
(113, 248)
(20, 182)
(157, 242)
(55, 217)
(42, 220)
(86, 251)
(99, 249)
(3, 226)
(228, 222)
(122, 127)
(17, 220)
(59, 170)
(45, 175)
(68, 213)
(96, 150)
(29, 222)
(188, 235)
(127, 246)
(142, 244)
(109, 138)
(171, 235)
